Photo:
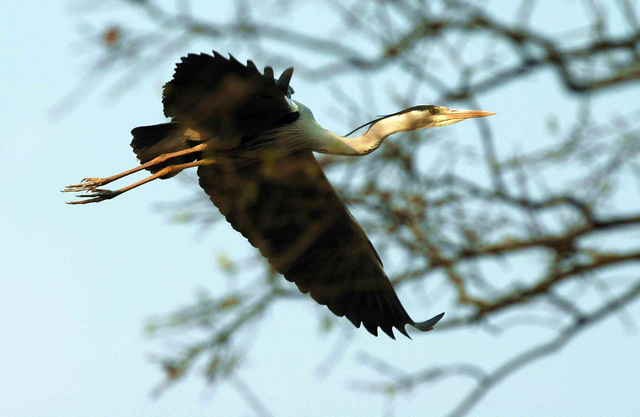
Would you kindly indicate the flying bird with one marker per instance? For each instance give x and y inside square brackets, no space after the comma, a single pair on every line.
[253,146]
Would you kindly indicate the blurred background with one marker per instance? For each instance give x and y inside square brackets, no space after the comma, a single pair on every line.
[524,227]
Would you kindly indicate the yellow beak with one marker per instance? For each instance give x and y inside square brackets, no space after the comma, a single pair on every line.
[466,114]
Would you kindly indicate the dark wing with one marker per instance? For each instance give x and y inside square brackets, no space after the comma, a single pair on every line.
[287,208]
[226,98]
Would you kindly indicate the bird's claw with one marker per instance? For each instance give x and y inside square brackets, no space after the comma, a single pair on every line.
[87,184]
[96,196]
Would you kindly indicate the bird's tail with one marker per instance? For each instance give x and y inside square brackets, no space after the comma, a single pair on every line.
[149,142]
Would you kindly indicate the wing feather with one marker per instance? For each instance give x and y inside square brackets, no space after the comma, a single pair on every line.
[288,210]
[224,97]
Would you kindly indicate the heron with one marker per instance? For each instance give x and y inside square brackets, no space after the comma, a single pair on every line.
[253,147]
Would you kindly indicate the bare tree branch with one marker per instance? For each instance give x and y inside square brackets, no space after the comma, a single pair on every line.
[448,209]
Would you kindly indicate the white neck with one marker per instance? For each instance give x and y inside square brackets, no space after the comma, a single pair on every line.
[366,143]
[305,134]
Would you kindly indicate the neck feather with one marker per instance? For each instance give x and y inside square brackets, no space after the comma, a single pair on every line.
[371,139]
[306,134]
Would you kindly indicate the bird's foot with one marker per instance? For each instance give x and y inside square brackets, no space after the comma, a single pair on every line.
[95,196]
[87,184]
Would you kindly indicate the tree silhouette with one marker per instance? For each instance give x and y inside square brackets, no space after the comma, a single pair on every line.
[507,239]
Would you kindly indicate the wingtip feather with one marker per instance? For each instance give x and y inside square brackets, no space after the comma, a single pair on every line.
[427,325]
[268,72]
[285,79]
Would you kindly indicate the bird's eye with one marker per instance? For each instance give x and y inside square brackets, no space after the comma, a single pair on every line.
[434,110]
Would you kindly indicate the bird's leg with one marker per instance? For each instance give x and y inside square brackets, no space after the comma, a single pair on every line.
[90,184]
[98,195]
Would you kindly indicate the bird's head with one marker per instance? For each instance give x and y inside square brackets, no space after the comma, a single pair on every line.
[425,116]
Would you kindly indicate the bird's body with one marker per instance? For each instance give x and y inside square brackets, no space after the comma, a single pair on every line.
[253,147]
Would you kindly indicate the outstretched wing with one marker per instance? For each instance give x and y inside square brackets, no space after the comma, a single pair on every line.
[226,98]
[287,208]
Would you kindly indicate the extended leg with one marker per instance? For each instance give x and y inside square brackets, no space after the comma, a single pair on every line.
[98,195]
[91,184]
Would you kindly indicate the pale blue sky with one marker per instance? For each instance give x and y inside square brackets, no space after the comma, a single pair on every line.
[78,283]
